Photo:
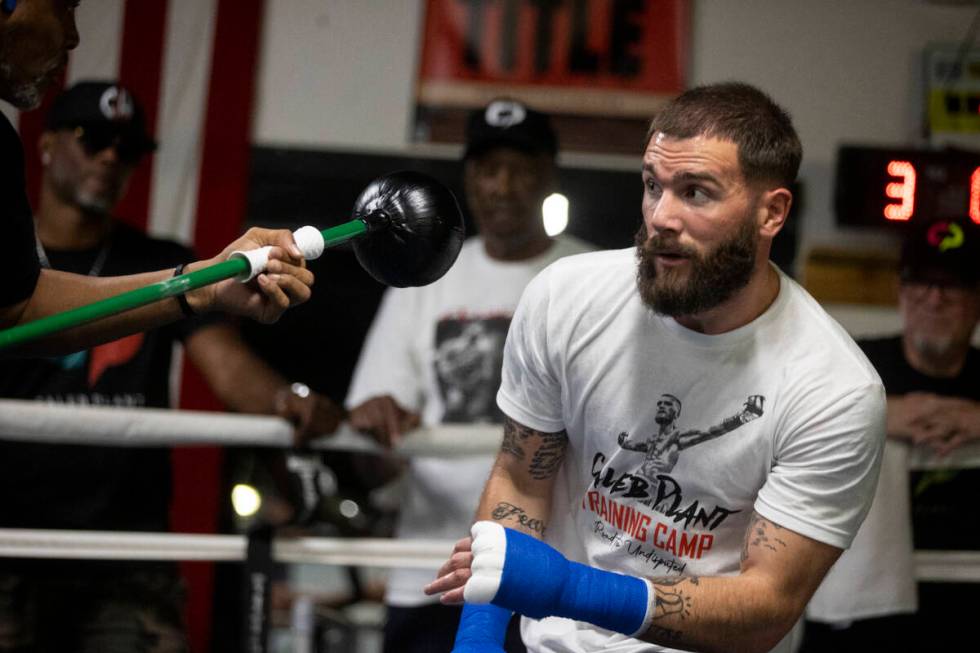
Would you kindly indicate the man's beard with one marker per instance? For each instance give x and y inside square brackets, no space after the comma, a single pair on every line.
[712,278]
[933,347]
[25,95]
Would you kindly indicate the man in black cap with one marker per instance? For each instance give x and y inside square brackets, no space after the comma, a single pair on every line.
[94,138]
[434,354]
[932,376]
[35,38]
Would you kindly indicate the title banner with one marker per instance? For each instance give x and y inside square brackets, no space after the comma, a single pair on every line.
[612,57]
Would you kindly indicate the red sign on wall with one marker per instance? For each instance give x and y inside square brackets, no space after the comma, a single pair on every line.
[617,57]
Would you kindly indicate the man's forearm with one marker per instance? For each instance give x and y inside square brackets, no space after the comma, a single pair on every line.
[60,291]
[518,493]
[504,502]
[240,379]
[724,614]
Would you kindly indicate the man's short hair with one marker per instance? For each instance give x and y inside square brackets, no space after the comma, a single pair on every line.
[769,149]
[674,399]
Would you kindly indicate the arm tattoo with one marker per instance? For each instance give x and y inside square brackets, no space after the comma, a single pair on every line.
[672,599]
[514,435]
[661,634]
[504,511]
[762,533]
[547,457]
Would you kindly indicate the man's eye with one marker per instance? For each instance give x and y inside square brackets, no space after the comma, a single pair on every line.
[697,194]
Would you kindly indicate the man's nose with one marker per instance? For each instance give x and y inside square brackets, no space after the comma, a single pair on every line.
[502,180]
[663,215]
[71,32]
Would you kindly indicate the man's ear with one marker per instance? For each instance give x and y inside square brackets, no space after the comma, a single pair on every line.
[774,210]
[44,145]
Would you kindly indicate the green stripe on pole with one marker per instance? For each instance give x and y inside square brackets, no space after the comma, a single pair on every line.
[127,301]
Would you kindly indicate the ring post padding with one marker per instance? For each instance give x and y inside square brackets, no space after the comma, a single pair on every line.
[257,585]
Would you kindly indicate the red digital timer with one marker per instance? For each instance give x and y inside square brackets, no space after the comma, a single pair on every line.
[880,186]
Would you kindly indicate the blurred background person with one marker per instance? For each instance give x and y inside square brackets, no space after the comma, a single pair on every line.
[95,137]
[932,376]
[434,354]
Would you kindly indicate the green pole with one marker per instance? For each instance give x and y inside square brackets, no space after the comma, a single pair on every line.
[127,301]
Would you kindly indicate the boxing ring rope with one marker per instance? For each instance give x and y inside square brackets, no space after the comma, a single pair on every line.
[33,421]
[113,545]
[98,425]
[932,566]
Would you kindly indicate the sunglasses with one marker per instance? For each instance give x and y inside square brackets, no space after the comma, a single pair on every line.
[96,138]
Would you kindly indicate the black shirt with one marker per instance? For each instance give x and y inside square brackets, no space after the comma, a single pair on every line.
[19,267]
[944,512]
[75,486]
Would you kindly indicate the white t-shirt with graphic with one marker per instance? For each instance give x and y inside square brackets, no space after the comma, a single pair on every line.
[438,350]
[675,437]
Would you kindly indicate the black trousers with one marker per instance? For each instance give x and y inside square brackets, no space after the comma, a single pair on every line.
[432,629]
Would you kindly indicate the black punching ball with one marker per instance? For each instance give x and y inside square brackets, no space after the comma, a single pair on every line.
[415,229]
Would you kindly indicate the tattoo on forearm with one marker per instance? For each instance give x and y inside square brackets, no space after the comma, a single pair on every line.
[762,533]
[672,598]
[661,634]
[548,458]
[514,435]
[504,511]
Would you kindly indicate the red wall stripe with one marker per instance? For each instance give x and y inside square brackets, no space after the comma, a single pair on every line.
[220,212]
[223,183]
[141,69]
[30,125]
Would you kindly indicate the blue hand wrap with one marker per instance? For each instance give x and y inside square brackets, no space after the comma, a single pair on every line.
[538,581]
[482,629]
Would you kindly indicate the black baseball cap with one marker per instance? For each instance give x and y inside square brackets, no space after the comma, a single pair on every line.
[104,105]
[942,249]
[509,123]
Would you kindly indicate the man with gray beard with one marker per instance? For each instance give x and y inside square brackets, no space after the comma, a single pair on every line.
[931,372]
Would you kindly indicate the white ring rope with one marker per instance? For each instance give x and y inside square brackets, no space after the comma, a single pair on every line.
[117,545]
[932,566]
[33,421]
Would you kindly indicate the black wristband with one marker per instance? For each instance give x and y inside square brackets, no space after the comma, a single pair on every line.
[185,308]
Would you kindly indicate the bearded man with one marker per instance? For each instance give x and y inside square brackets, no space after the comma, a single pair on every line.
[722,551]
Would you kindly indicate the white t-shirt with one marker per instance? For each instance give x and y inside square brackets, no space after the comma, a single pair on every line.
[783,416]
[438,350]
[876,576]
